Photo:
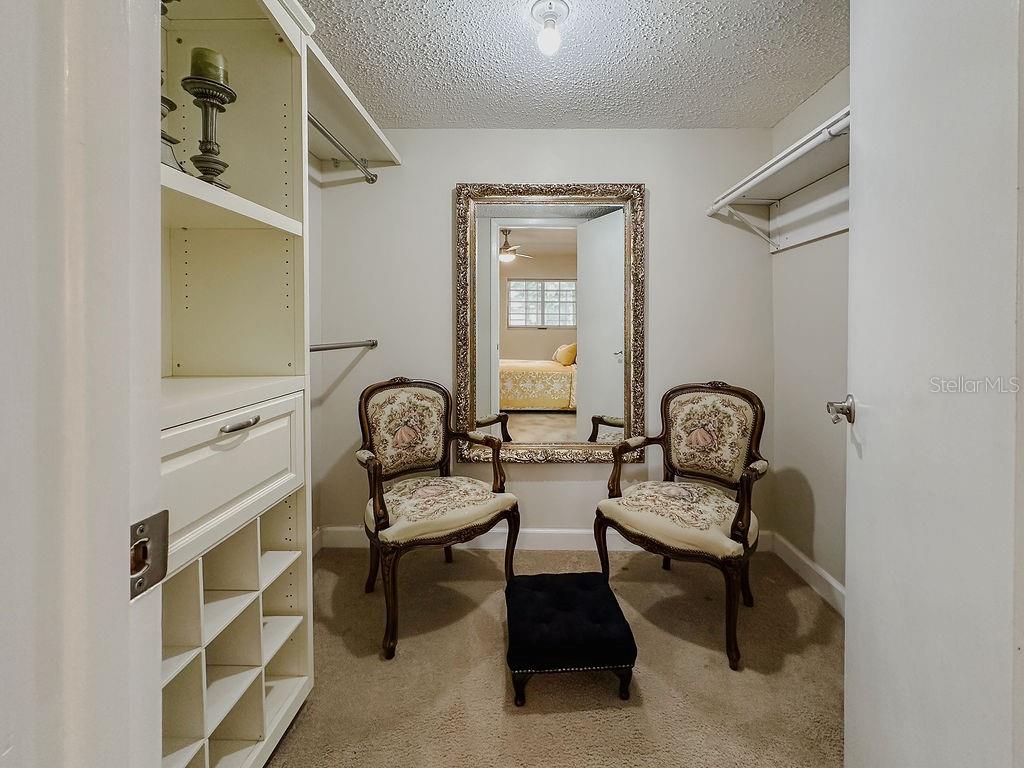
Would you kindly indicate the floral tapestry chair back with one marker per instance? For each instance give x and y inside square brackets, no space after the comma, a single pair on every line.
[405,424]
[711,431]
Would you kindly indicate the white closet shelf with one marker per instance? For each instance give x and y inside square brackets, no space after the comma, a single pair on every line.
[276,631]
[332,102]
[178,753]
[226,753]
[225,685]
[280,692]
[273,564]
[220,608]
[820,153]
[175,659]
[187,202]
[190,398]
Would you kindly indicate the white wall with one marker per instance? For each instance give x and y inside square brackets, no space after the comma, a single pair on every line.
[933,277]
[391,269]
[809,299]
[314,241]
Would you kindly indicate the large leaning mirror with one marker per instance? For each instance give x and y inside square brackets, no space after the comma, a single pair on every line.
[549,304]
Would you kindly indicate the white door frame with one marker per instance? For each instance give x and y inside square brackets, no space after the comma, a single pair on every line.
[80,664]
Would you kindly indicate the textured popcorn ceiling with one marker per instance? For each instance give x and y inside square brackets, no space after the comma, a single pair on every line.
[623,64]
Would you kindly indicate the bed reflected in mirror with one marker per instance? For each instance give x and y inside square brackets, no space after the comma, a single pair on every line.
[553,324]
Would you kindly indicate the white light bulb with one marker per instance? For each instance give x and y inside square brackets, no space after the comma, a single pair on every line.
[549,40]
[506,258]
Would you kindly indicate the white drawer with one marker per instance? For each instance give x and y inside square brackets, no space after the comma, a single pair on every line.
[212,481]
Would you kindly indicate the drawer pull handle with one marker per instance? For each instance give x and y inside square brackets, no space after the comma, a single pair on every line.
[227,429]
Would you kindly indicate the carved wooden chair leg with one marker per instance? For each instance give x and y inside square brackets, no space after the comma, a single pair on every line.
[666,563]
[519,686]
[625,676]
[371,579]
[448,554]
[601,537]
[389,563]
[510,542]
[732,572]
[748,596]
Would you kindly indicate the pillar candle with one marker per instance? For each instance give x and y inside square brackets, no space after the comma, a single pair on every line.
[209,64]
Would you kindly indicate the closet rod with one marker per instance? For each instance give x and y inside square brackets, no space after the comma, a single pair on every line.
[371,178]
[371,343]
[837,126]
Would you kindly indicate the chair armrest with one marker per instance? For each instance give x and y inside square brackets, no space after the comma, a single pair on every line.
[481,438]
[369,461]
[741,522]
[608,421]
[496,418]
[618,452]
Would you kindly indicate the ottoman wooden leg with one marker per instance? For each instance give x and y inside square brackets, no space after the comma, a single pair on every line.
[625,676]
[519,686]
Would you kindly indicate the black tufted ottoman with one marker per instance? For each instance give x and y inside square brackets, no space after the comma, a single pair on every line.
[566,622]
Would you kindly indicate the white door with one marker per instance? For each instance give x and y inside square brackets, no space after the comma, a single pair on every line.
[600,297]
[931,465]
[79,663]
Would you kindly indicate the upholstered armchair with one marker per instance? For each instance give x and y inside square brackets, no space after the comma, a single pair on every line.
[406,429]
[701,510]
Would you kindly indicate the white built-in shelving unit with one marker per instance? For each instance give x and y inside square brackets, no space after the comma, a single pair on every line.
[237,658]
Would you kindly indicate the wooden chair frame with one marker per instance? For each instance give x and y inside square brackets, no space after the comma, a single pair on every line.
[384,555]
[736,570]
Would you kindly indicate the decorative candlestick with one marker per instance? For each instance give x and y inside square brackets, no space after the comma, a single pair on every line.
[208,85]
[167,141]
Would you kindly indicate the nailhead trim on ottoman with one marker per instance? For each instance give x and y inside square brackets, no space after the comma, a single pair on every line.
[566,622]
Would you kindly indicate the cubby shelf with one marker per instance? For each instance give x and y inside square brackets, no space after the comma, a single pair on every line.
[230,753]
[175,659]
[225,685]
[220,607]
[178,753]
[190,398]
[273,564]
[276,631]
[187,202]
[280,691]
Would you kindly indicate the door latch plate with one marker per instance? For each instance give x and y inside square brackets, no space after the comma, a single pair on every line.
[147,553]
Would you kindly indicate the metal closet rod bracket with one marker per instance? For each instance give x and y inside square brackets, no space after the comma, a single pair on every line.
[369,343]
[368,175]
[730,211]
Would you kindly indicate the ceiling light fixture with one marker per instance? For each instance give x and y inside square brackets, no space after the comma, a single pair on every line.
[549,14]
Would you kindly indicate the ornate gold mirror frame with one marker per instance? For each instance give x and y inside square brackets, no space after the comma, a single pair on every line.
[632,198]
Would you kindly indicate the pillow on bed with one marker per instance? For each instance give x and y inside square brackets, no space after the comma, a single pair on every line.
[565,354]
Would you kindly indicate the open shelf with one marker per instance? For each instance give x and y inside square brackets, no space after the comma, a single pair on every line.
[230,753]
[280,691]
[276,631]
[225,685]
[190,398]
[273,564]
[175,659]
[187,202]
[220,607]
[332,102]
[182,753]
[820,153]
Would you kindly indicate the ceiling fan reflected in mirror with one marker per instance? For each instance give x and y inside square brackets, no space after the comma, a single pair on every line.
[507,253]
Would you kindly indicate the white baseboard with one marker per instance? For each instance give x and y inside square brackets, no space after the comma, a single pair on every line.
[352,536]
[820,580]
[318,540]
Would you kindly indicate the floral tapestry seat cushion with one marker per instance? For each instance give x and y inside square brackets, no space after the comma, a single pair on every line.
[407,428]
[709,432]
[428,507]
[682,515]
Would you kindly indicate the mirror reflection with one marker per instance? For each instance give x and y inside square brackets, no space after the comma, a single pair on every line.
[550,321]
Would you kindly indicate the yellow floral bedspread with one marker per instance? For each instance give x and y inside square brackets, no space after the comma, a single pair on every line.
[537,385]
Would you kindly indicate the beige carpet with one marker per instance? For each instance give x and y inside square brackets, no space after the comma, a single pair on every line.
[445,699]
